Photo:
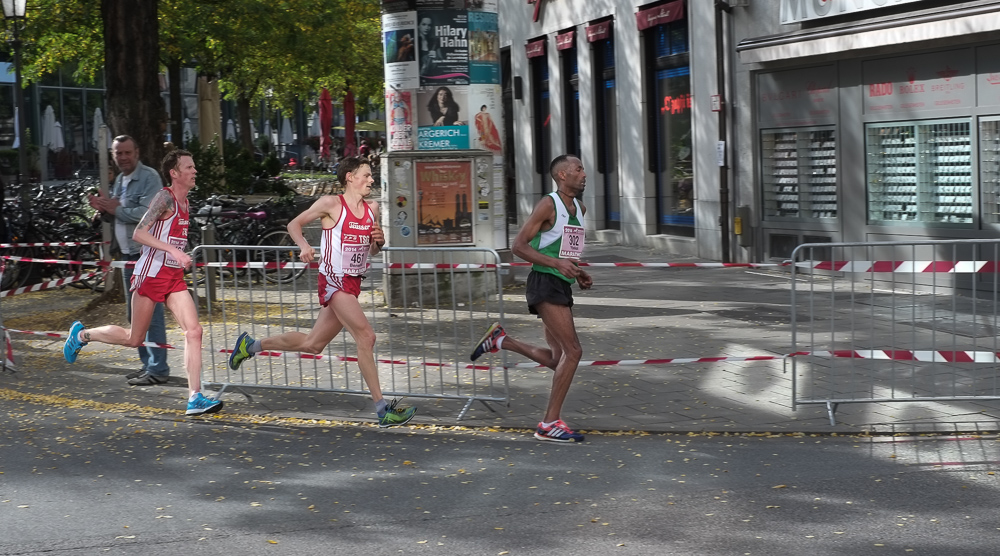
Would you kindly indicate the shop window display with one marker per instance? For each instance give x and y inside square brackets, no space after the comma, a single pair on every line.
[920,172]
[799,173]
[989,168]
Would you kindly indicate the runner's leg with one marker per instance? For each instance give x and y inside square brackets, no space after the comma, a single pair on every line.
[349,312]
[560,331]
[547,356]
[185,312]
[324,330]
[142,312]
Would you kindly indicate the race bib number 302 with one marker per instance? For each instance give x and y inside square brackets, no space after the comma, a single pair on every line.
[572,242]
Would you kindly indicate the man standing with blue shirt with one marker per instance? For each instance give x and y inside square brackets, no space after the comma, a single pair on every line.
[132,191]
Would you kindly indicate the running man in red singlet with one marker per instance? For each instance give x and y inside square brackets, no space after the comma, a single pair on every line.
[351,234]
[159,278]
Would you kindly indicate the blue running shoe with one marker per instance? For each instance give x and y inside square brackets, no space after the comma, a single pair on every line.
[73,344]
[558,432]
[201,405]
[241,351]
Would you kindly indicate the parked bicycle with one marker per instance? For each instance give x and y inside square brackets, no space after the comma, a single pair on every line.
[237,224]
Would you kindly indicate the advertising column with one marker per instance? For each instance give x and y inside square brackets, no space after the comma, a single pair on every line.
[444,105]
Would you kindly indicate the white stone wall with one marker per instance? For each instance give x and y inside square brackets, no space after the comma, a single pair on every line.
[638,203]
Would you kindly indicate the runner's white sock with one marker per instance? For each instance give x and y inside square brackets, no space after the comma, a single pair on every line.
[255,347]
[500,342]
[549,425]
[193,396]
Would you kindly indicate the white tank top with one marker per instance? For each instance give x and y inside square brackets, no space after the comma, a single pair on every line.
[154,263]
[346,245]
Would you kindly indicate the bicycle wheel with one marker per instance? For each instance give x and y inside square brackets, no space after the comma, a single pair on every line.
[89,253]
[15,272]
[279,238]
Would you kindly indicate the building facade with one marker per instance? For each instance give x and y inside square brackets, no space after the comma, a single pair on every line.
[846,120]
[627,86]
[866,120]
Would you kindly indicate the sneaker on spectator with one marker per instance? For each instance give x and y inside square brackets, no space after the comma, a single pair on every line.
[558,432]
[147,379]
[201,405]
[488,343]
[73,344]
[241,351]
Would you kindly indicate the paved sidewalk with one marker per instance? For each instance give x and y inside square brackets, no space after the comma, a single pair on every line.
[634,313]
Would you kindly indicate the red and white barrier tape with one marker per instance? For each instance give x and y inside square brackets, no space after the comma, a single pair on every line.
[8,351]
[63,336]
[56,244]
[929,356]
[51,261]
[51,284]
[951,267]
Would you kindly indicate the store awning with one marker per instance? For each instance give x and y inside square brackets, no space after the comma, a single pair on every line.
[906,29]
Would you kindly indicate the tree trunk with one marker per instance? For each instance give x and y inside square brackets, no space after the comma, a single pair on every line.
[176,109]
[243,113]
[131,74]
[132,82]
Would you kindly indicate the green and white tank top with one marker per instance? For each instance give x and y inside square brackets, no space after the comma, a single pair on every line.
[564,240]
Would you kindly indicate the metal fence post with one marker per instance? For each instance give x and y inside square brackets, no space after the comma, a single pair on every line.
[211,256]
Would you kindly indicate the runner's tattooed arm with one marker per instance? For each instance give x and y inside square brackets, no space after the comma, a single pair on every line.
[162,203]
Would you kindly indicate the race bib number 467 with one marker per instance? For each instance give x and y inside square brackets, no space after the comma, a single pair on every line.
[572,242]
[355,259]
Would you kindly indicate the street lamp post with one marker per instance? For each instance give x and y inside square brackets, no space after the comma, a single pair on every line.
[14,10]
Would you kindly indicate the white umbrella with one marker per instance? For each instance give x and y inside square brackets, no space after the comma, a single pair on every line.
[186,133]
[49,127]
[286,137]
[59,143]
[230,130]
[314,130]
[98,122]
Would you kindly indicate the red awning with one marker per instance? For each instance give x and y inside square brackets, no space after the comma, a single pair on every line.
[599,31]
[535,48]
[659,15]
[565,41]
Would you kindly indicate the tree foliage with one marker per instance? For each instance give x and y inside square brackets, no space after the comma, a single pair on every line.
[278,50]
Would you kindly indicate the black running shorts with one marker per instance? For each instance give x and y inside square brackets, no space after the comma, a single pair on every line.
[545,287]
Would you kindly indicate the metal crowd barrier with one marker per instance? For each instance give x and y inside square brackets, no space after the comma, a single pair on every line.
[427,307]
[895,322]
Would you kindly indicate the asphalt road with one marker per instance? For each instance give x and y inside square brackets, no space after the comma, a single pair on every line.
[79,481]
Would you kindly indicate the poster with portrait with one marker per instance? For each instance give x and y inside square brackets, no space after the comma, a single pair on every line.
[399,35]
[444,202]
[484,48]
[442,118]
[486,109]
[443,47]
[399,107]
